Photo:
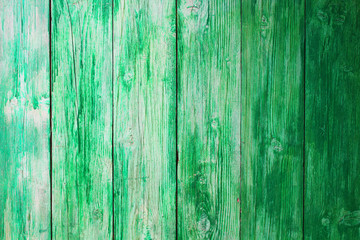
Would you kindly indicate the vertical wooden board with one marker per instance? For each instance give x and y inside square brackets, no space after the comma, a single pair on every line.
[82,119]
[272,128]
[332,199]
[209,119]
[144,119]
[24,120]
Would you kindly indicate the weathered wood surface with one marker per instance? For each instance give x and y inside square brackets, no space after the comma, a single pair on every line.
[144,119]
[272,117]
[332,203]
[209,119]
[134,83]
[24,120]
[82,119]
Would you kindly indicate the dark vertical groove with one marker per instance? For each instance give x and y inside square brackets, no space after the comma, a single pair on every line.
[240,93]
[112,119]
[304,119]
[50,117]
[176,117]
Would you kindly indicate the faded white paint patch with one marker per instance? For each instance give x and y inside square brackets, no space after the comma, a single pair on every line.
[23,173]
[10,108]
[41,84]
[8,218]
[8,27]
[39,116]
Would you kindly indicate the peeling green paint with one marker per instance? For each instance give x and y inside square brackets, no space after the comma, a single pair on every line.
[152,103]
[81,53]
[209,44]
[24,120]
[272,129]
[144,119]
[332,200]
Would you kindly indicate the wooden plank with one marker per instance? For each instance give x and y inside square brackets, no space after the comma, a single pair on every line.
[24,120]
[332,203]
[82,119]
[272,119]
[144,119]
[209,119]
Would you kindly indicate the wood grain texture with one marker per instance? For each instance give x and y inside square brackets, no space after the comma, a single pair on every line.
[24,120]
[82,119]
[144,118]
[272,116]
[332,203]
[209,119]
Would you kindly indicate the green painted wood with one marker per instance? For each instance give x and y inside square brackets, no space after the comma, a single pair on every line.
[332,203]
[24,120]
[272,117]
[82,119]
[144,119]
[209,119]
